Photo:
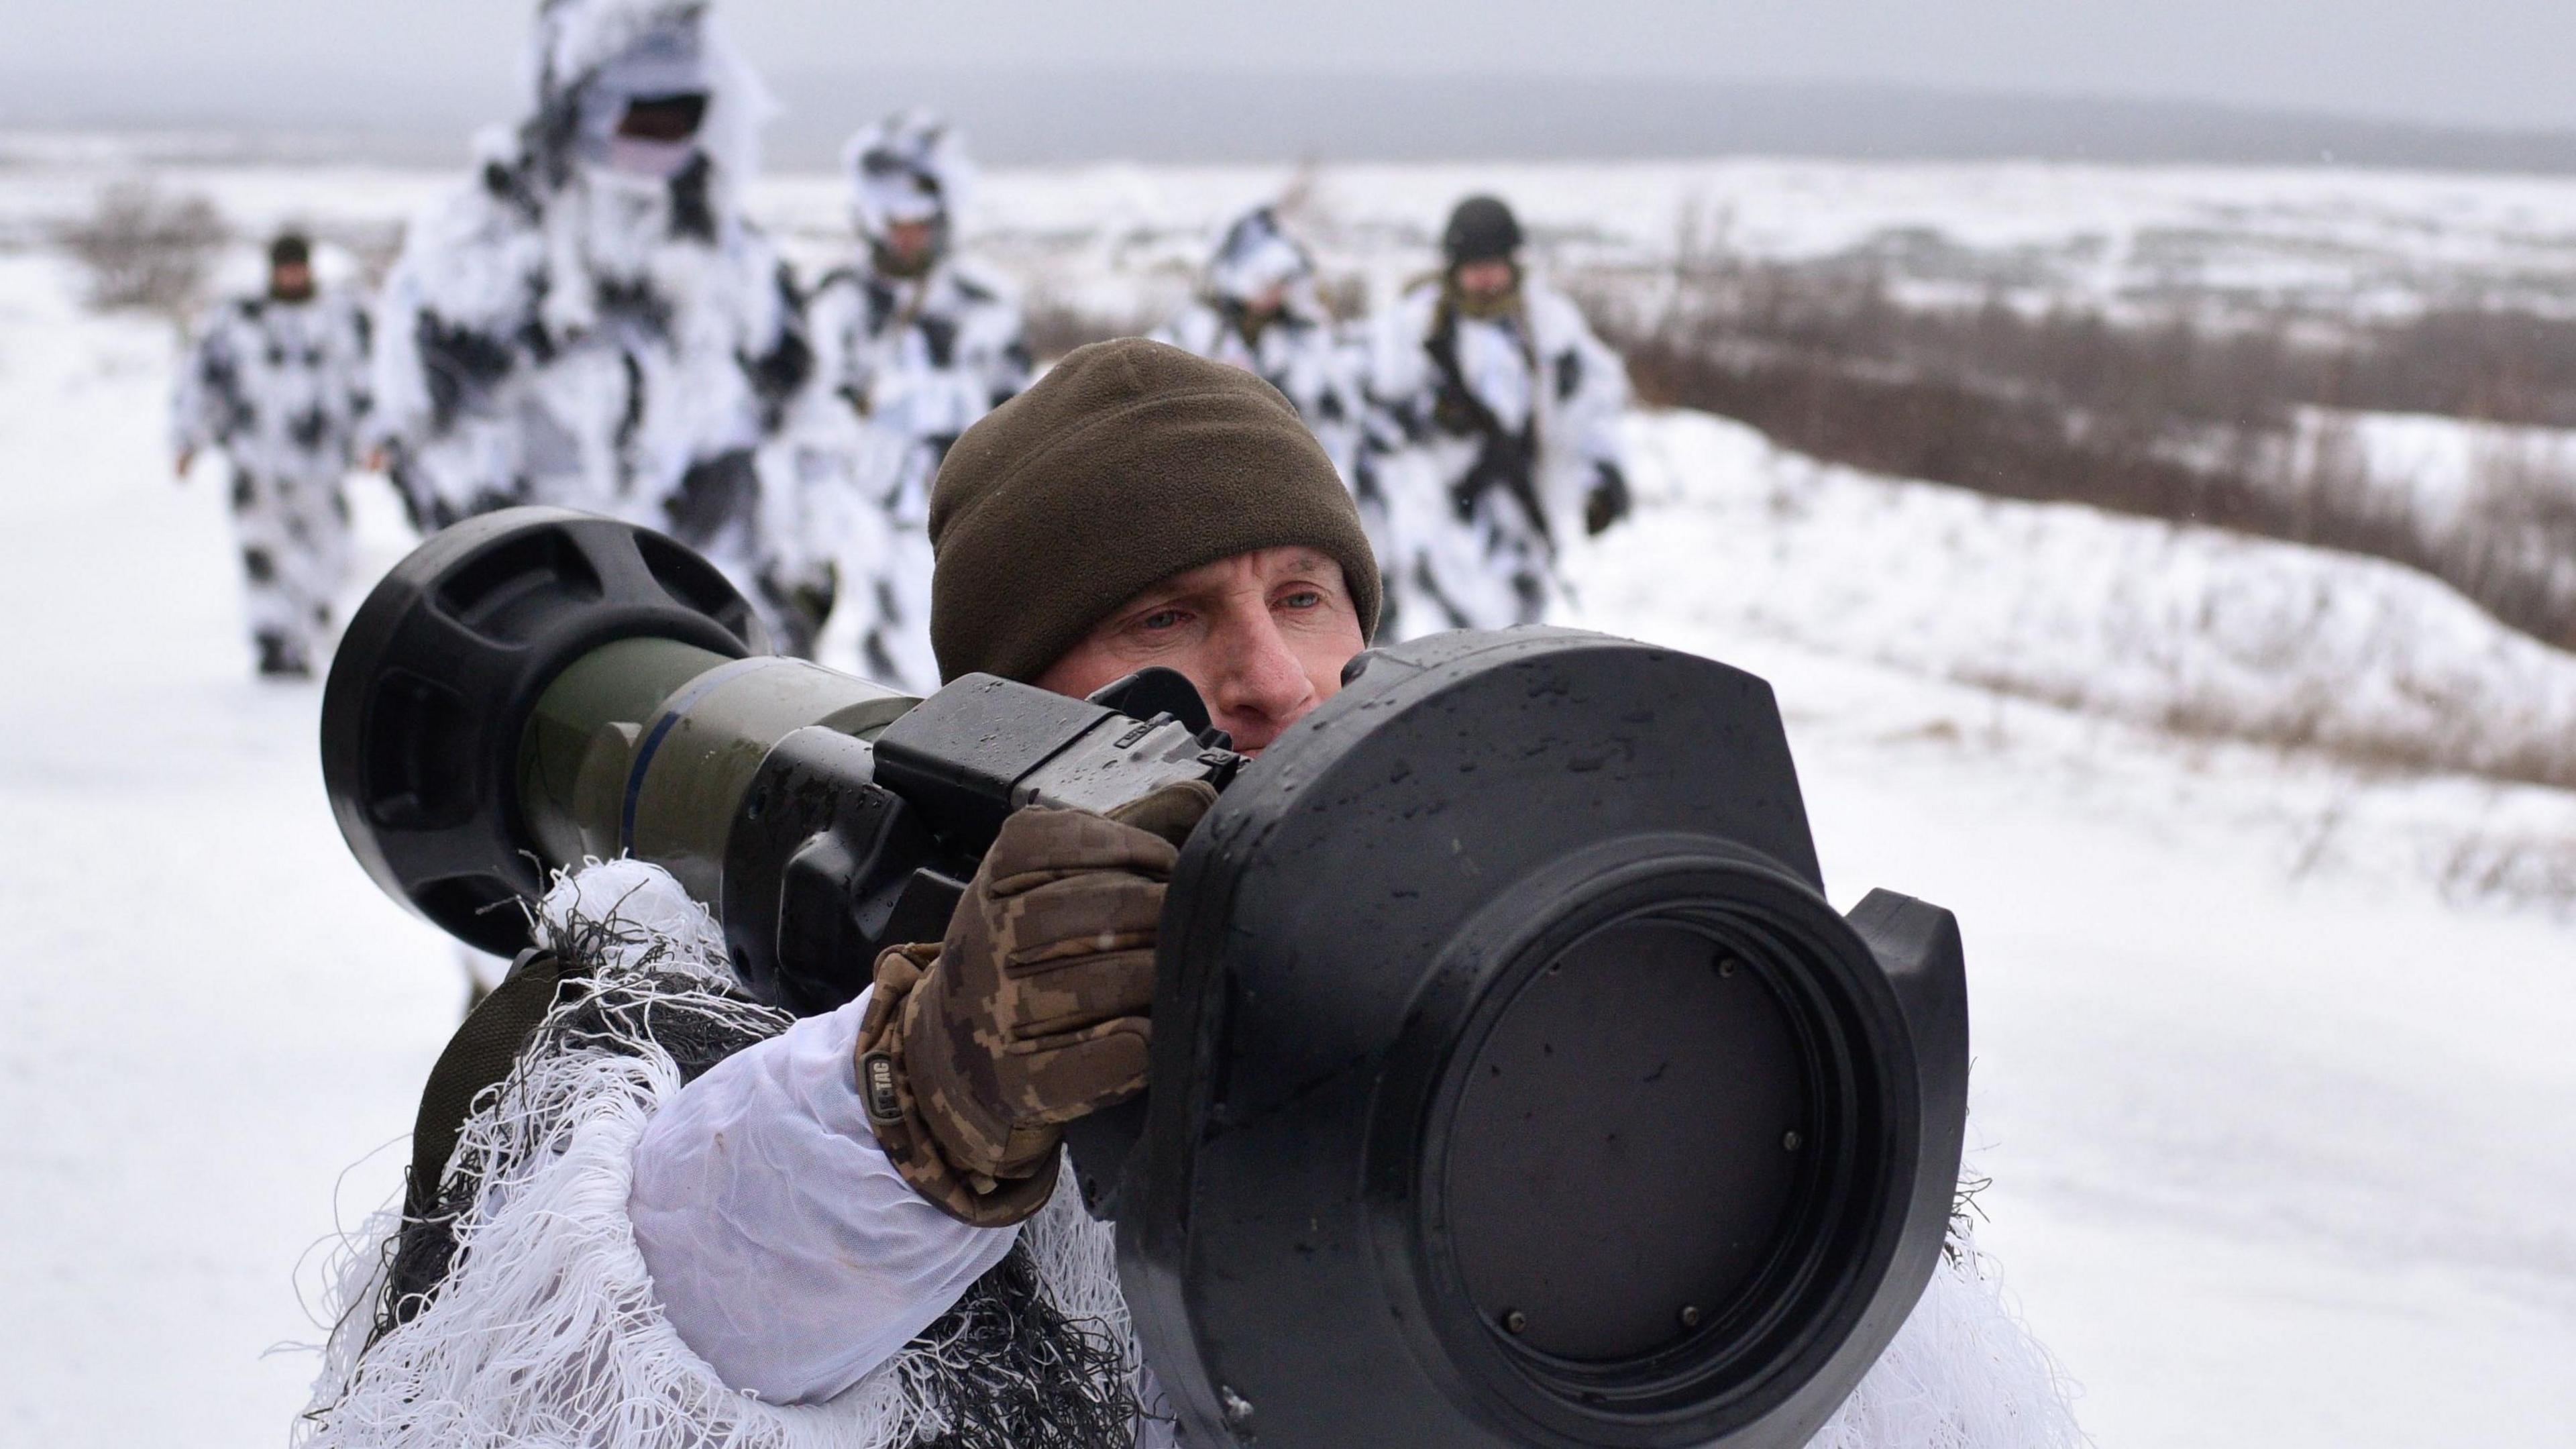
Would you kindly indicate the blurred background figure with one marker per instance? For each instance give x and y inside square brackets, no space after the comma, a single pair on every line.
[1508,408]
[918,343]
[1259,309]
[592,321]
[278,383]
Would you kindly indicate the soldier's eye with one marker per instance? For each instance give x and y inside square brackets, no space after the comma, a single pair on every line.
[1160,620]
[1302,599]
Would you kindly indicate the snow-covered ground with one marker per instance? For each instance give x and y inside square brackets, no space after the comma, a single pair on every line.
[2272,1070]
[205,1014]
[2188,628]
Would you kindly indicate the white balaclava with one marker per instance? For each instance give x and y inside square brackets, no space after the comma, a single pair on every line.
[910,166]
[666,66]
[592,59]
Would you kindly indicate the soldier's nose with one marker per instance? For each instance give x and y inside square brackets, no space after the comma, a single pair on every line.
[1265,689]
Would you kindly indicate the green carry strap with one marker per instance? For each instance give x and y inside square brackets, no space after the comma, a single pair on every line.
[480,1055]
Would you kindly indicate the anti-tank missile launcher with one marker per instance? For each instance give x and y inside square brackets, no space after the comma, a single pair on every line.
[1513,1083]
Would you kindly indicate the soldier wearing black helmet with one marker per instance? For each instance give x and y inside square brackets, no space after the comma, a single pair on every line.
[1505,411]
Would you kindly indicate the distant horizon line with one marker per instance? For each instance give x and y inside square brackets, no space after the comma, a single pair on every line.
[372,76]
[1041,115]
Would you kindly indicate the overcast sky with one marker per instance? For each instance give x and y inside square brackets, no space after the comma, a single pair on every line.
[2505,63]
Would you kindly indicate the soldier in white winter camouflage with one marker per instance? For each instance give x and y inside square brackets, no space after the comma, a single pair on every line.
[918,343]
[593,321]
[1508,408]
[278,384]
[1260,309]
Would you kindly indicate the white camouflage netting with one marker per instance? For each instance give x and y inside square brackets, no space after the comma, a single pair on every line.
[1963,1373]
[546,1332]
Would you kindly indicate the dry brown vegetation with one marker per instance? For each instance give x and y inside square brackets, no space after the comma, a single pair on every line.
[147,249]
[2183,420]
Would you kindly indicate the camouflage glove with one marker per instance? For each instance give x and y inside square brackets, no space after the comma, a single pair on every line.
[802,605]
[1608,502]
[975,1052]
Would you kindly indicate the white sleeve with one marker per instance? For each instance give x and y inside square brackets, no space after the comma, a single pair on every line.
[192,403]
[783,1247]
[397,375]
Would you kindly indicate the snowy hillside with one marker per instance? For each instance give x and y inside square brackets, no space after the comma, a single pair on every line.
[2185,628]
[2271,1066]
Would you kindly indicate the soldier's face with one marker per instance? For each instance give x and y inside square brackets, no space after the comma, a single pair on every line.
[290,281]
[1264,636]
[909,241]
[1487,279]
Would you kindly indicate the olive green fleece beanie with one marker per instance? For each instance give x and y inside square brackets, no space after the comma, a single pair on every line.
[1129,462]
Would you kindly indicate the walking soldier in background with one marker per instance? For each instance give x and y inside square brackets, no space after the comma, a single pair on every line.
[1259,310]
[593,322]
[1508,411]
[278,382]
[918,344]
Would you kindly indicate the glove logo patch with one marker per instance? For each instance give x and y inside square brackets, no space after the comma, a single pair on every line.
[876,1083]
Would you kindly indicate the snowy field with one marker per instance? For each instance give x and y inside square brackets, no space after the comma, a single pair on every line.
[2353,242]
[2272,1066]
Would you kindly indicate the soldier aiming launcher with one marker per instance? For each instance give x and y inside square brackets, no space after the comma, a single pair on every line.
[1513,1082]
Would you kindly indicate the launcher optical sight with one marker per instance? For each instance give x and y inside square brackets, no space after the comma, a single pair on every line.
[1513,1083]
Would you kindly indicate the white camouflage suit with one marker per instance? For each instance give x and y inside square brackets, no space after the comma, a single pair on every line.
[593,322]
[916,354]
[279,386]
[1506,426]
[1297,348]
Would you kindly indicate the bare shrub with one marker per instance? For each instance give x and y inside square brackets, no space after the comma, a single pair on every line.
[2489,363]
[2513,870]
[2180,420]
[2245,369]
[2309,719]
[375,247]
[146,249]
[2515,551]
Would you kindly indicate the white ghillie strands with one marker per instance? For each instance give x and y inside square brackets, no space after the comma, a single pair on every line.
[547,1332]
[1963,1373]
[636,917]
[1076,1258]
